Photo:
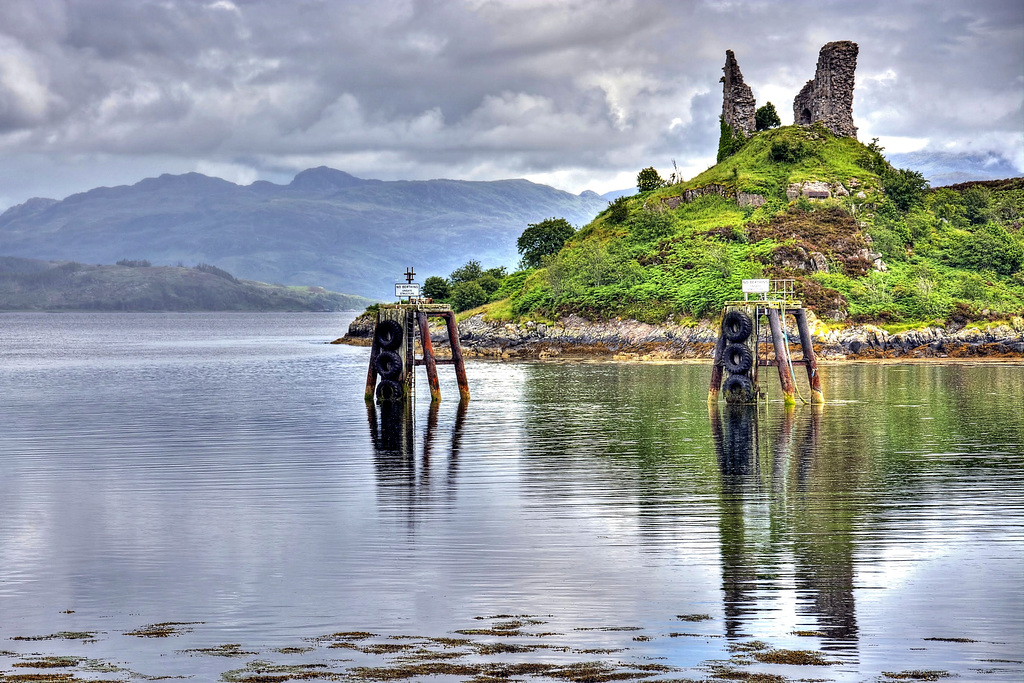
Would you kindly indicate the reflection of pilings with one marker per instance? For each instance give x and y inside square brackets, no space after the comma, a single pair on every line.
[824,557]
[735,448]
[393,437]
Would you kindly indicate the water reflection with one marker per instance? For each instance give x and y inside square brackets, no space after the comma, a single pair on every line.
[767,525]
[405,480]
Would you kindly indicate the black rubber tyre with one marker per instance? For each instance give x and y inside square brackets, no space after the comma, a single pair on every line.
[737,326]
[738,389]
[737,359]
[388,335]
[388,391]
[388,365]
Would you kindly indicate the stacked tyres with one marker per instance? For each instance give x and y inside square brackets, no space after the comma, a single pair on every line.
[389,362]
[737,358]
[388,334]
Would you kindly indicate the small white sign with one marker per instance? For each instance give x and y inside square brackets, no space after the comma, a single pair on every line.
[755,286]
[407,289]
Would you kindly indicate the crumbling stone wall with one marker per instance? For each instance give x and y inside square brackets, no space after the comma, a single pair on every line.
[829,96]
[738,105]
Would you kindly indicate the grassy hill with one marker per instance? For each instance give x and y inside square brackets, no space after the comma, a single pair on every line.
[32,285]
[864,241]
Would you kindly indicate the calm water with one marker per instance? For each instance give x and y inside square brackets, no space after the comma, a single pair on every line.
[223,472]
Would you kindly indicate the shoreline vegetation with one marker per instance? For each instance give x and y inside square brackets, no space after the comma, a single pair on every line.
[886,266]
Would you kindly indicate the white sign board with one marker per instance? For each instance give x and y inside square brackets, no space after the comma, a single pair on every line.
[407,289]
[755,286]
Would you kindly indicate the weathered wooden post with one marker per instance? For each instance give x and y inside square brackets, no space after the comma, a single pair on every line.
[781,356]
[807,346]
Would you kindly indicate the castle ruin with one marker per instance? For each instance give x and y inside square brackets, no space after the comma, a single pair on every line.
[828,97]
[738,104]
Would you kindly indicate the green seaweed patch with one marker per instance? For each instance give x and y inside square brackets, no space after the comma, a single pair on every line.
[55,662]
[693,617]
[600,650]
[953,640]
[730,673]
[749,646]
[794,657]
[916,675]
[809,634]
[164,629]
[450,642]
[507,648]
[348,635]
[62,635]
[51,677]
[293,650]
[609,628]
[226,650]
[267,672]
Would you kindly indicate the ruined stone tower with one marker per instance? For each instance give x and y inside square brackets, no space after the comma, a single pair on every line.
[738,103]
[829,97]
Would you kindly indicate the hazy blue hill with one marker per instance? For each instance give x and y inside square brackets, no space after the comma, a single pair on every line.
[34,285]
[326,227]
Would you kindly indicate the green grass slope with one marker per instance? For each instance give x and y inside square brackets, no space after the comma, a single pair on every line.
[881,248]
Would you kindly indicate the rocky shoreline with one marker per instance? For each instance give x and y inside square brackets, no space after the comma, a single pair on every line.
[573,336]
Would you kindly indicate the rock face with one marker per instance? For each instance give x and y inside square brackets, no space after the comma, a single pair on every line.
[829,97]
[738,104]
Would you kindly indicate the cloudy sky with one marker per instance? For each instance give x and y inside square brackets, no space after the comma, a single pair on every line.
[579,94]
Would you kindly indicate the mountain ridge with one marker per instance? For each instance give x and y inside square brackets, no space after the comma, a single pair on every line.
[325,227]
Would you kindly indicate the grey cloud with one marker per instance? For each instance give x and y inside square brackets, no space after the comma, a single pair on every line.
[474,88]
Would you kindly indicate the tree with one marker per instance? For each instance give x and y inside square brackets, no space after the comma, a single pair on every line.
[543,239]
[437,288]
[649,179]
[467,295]
[467,273]
[767,118]
[904,187]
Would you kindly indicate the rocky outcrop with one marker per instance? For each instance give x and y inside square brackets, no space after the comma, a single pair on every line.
[829,96]
[738,104]
[574,336]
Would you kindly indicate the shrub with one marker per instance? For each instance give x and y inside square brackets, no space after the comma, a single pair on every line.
[618,210]
[991,248]
[766,118]
[437,288]
[904,187]
[467,295]
[142,263]
[648,179]
[729,141]
[543,239]
[467,273]
[788,151]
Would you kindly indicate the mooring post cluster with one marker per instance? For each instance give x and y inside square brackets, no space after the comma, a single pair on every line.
[393,353]
[738,349]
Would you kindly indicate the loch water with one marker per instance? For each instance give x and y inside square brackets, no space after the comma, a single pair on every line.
[220,474]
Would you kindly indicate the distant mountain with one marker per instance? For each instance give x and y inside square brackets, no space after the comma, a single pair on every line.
[615,194]
[325,228]
[33,285]
[942,168]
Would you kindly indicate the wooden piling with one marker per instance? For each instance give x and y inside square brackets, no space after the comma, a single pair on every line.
[460,366]
[775,323]
[811,363]
[428,357]
[716,371]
